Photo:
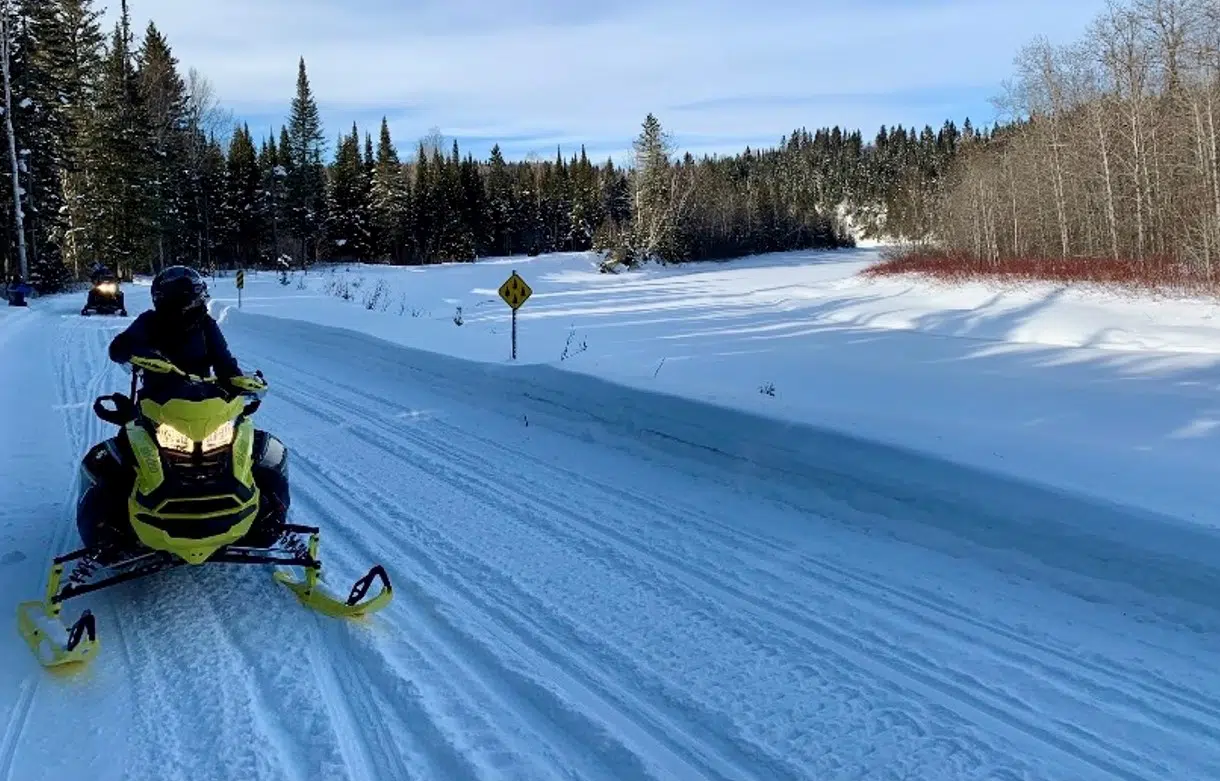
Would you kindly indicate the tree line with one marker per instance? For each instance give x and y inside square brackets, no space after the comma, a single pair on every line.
[122,159]
[1113,152]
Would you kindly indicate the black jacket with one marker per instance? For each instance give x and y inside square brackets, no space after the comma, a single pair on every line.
[199,348]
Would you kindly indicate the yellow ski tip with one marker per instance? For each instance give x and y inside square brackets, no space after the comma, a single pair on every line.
[311,594]
[38,627]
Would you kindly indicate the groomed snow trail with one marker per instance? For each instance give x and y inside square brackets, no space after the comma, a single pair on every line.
[570,605]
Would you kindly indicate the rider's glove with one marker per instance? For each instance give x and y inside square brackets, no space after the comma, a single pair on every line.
[249,383]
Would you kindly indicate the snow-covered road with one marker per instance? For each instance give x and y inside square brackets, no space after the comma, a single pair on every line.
[597,583]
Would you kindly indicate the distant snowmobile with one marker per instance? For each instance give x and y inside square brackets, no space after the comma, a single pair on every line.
[106,295]
[188,480]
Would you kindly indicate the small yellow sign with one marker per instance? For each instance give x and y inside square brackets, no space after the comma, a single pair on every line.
[514,291]
[241,279]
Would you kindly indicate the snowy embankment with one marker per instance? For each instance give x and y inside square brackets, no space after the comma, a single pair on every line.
[1092,393]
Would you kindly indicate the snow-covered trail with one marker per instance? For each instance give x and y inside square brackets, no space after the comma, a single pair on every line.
[574,604]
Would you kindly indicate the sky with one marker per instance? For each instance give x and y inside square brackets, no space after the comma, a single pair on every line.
[534,75]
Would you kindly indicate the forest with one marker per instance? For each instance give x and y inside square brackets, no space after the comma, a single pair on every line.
[1109,170]
[119,157]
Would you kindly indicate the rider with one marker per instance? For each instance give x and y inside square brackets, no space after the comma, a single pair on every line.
[180,333]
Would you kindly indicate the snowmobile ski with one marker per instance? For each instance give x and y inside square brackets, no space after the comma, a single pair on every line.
[42,628]
[315,596]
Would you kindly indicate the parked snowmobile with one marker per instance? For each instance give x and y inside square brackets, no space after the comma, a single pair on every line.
[106,295]
[188,480]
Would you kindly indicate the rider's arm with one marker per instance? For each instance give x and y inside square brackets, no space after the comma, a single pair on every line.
[223,362]
[136,340]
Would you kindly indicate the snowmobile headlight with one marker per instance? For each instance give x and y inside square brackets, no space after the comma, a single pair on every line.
[108,288]
[171,438]
[221,437]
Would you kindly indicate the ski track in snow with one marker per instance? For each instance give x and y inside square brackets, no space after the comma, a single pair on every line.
[568,506]
[564,610]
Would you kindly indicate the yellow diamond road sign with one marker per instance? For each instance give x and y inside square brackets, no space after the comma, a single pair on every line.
[514,291]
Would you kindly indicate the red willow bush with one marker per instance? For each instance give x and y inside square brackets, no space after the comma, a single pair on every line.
[1148,274]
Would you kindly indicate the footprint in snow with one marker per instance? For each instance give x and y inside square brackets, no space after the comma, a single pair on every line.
[12,557]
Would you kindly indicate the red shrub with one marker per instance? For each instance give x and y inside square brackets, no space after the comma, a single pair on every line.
[1149,274]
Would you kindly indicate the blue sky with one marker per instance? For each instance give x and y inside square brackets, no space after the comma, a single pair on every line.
[533,74]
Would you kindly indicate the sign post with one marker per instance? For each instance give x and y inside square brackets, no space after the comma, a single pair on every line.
[514,291]
[241,283]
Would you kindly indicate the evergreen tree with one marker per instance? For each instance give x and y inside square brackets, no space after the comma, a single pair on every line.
[65,62]
[118,148]
[390,202]
[164,103]
[305,184]
[272,176]
[501,205]
[348,202]
[243,203]
[654,227]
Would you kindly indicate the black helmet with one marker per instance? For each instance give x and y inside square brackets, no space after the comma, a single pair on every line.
[180,292]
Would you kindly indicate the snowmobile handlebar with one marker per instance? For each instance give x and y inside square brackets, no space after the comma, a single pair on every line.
[123,408]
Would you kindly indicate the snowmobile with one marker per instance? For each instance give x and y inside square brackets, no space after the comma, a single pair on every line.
[106,296]
[188,480]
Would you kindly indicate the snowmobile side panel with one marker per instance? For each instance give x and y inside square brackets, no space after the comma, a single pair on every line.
[243,453]
[149,474]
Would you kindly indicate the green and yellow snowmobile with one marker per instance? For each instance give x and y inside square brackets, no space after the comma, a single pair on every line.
[187,480]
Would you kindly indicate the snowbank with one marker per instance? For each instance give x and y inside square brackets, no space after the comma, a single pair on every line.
[1108,396]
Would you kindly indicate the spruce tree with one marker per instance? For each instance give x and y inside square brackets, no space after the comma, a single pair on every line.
[390,201]
[347,202]
[501,205]
[118,146]
[164,101]
[305,186]
[272,175]
[652,229]
[65,55]
[243,202]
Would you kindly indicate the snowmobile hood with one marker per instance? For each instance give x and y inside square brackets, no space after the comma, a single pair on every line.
[196,420]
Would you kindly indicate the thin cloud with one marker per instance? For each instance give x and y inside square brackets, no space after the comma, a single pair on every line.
[542,70]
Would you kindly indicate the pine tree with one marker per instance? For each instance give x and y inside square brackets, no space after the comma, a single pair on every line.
[348,202]
[390,201]
[118,147]
[243,204]
[271,199]
[501,205]
[65,54]
[585,212]
[653,233]
[305,186]
[10,61]
[164,101]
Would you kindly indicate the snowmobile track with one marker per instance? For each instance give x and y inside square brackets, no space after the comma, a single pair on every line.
[15,726]
[444,455]
[737,757]
[551,719]
[904,668]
